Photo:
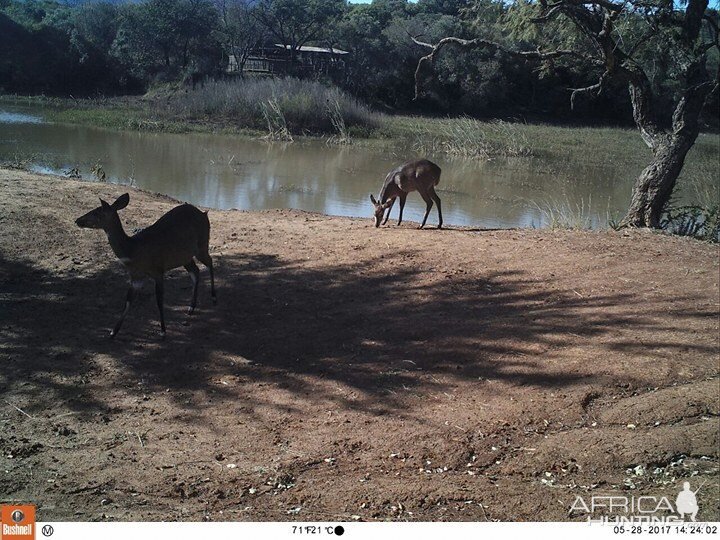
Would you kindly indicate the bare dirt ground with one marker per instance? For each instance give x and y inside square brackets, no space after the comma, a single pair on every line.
[349,372]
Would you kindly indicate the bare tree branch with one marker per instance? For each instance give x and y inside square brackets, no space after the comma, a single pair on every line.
[575,91]
[490,45]
[588,89]
[548,13]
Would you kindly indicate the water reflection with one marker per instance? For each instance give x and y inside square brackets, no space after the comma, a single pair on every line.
[9,117]
[230,172]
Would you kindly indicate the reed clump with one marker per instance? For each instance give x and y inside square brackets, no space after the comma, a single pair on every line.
[283,107]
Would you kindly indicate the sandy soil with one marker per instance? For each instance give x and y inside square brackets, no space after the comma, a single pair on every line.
[349,372]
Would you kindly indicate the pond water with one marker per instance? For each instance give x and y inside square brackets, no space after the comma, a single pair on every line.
[225,172]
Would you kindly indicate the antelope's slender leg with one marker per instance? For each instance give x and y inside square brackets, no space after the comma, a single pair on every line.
[429,203]
[212,282]
[387,216]
[437,200]
[135,285]
[195,276]
[159,290]
[206,259]
[402,206]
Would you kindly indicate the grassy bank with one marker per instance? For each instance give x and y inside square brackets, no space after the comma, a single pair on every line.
[124,113]
[208,111]
[223,108]
[288,108]
[274,108]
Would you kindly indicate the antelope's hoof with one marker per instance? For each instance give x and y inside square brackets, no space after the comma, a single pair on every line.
[113,334]
[190,311]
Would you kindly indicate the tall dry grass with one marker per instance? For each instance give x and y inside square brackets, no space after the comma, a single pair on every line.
[287,106]
[469,138]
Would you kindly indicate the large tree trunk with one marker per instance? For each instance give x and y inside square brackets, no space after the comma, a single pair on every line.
[654,187]
[655,184]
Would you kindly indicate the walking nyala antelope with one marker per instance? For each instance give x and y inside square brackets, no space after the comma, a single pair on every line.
[172,241]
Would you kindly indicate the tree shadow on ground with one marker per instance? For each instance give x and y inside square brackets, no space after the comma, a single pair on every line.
[298,326]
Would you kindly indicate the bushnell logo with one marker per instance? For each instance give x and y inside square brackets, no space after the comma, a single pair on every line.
[18,522]
[17,516]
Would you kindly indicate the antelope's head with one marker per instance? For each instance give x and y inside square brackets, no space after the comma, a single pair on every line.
[104,215]
[379,209]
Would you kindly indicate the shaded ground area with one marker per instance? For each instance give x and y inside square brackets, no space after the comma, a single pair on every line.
[351,373]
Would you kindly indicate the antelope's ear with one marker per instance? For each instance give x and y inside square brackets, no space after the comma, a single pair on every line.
[104,204]
[372,199]
[121,202]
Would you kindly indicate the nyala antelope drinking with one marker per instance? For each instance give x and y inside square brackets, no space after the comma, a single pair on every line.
[421,176]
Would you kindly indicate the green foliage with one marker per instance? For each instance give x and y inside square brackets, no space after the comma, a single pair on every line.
[119,47]
[167,37]
[238,29]
[49,47]
[297,22]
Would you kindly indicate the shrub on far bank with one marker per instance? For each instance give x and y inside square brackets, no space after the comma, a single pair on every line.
[305,107]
